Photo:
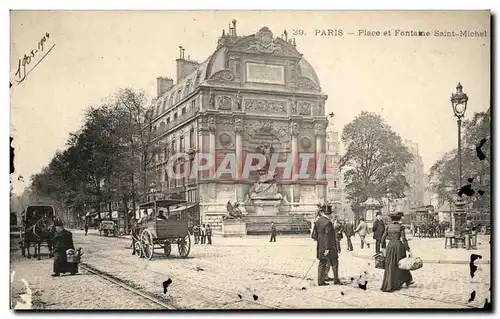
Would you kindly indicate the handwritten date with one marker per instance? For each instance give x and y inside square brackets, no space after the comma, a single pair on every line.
[23,62]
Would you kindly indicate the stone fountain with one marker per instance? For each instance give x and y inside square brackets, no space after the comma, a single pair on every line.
[265,200]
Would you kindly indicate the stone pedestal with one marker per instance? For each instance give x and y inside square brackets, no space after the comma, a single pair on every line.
[234,228]
[266,206]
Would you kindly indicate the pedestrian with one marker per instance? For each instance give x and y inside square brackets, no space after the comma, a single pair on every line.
[361,230]
[467,231]
[337,226]
[208,231]
[326,248]
[86,227]
[394,278]
[196,232]
[273,232]
[349,232]
[203,234]
[378,231]
[63,240]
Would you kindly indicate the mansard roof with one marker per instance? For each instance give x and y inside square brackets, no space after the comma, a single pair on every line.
[262,43]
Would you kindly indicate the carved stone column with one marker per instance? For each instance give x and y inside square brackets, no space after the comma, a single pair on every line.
[211,129]
[176,137]
[238,126]
[295,187]
[294,132]
[203,146]
[320,133]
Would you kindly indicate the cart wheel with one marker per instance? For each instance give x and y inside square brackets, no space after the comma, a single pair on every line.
[137,248]
[167,248]
[184,245]
[147,244]
[483,230]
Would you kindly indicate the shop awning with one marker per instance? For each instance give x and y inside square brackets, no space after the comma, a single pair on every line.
[179,208]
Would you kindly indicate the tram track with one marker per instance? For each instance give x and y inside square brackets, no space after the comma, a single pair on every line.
[120,283]
[283,306]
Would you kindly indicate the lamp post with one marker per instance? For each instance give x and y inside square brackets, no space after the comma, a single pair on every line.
[459,104]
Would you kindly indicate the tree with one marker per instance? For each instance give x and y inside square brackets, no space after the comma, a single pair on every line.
[106,161]
[375,159]
[137,133]
[443,175]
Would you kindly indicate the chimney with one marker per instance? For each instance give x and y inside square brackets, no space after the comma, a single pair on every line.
[234,27]
[163,84]
[184,67]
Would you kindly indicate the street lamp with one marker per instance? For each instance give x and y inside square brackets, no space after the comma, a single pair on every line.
[459,104]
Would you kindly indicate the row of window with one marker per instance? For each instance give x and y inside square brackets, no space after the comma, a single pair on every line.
[175,97]
[161,127]
[172,148]
[171,182]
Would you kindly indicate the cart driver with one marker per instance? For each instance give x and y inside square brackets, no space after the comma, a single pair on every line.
[161,215]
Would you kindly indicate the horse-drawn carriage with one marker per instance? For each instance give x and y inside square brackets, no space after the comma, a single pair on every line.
[161,231]
[108,227]
[36,229]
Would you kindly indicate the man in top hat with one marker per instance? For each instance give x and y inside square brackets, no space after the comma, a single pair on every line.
[378,231]
[63,240]
[326,247]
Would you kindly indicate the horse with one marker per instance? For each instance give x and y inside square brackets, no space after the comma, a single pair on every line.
[36,233]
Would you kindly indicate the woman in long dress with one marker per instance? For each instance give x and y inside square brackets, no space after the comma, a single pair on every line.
[396,249]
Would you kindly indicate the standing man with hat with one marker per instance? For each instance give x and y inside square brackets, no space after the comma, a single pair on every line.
[326,248]
[378,231]
[63,240]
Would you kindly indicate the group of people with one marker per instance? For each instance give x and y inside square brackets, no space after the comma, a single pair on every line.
[202,234]
[347,228]
[327,232]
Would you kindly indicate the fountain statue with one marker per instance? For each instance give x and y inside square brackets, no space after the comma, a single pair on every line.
[233,211]
[264,197]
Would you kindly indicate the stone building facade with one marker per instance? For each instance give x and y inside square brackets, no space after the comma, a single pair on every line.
[252,91]
[334,174]
[415,176]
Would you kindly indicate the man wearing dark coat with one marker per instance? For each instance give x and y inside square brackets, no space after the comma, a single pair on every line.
[273,232]
[349,232]
[378,231]
[326,248]
[63,240]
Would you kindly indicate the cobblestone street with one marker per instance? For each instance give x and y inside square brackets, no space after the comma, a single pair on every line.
[237,273]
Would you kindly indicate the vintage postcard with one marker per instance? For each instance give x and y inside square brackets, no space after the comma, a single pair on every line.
[229,160]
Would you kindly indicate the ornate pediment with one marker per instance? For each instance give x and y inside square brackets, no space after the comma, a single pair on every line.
[278,129]
[223,75]
[265,106]
[305,83]
[263,42]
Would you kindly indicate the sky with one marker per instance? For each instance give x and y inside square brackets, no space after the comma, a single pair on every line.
[408,80]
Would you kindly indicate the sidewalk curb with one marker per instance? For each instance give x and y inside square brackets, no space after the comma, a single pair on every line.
[445,262]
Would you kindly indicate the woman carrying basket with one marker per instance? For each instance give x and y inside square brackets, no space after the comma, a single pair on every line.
[394,277]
